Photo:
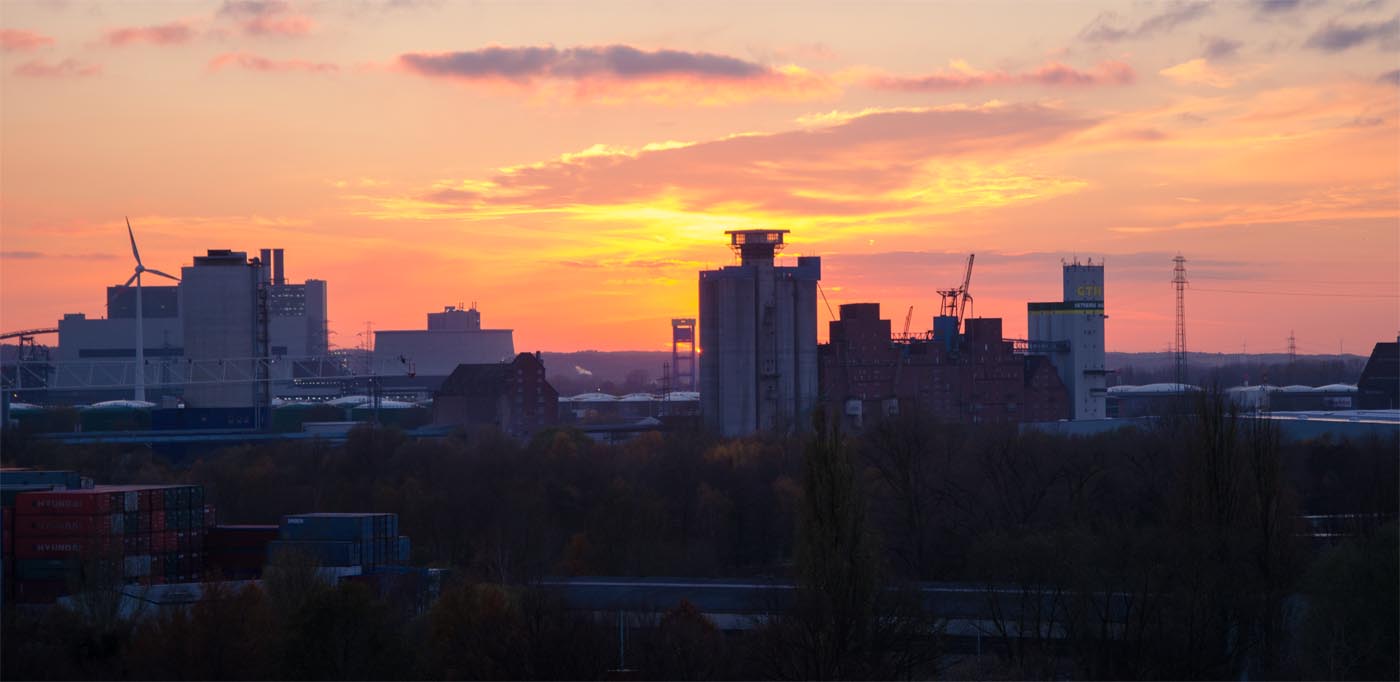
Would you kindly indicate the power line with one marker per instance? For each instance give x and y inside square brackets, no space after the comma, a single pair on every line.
[1294,293]
[1318,281]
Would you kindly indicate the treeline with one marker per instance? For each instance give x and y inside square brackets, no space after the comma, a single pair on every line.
[1307,371]
[1193,527]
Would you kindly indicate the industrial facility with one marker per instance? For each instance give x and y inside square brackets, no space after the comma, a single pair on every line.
[758,338]
[232,345]
[96,357]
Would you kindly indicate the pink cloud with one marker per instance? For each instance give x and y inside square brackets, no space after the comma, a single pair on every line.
[961,76]
[252,62]
[16,40]
[38,68]
[173,33]
[279,25]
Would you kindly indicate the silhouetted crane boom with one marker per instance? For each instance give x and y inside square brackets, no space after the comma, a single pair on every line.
[965,296]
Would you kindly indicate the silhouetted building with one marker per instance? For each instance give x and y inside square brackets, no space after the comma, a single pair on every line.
[454,319]
[1071,333]
[975,377]
[1379,385]
[758,338]
[225,320]
[511,396]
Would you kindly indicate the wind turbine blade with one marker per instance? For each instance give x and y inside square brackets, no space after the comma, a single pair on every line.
[129,281]
[132,235]
[158,272]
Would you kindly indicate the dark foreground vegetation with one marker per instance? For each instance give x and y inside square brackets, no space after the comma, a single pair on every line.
[1195,525]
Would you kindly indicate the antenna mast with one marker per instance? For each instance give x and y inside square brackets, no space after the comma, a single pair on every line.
[1179,281]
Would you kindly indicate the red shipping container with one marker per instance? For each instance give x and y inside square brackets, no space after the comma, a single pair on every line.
[171,541]
[158,517]
[144,518]
[61,548]
[63,526]
[69,502]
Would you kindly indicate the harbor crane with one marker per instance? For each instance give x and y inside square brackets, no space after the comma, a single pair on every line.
[954,301]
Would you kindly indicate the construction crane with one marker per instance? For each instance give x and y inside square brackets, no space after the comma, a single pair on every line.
[908,318]
[954,303]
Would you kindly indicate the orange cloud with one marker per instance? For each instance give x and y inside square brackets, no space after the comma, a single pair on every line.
[857,169]
[16,40]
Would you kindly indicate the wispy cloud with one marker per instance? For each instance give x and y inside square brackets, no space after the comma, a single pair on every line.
[39,255]
[1199,72]
[1336,37]
[601,71]
[577,63]
[960,76]
[266,18]
[1277,7]
[857,167]
[173,33]
[17,40]
[252,62]
[1219,48]
[1391,77]
[68,68]
[1109,28]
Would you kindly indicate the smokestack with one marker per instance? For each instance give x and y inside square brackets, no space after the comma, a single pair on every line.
[266,265]
[278,276]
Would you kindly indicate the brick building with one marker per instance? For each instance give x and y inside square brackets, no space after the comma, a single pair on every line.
[512,396]
[973,377]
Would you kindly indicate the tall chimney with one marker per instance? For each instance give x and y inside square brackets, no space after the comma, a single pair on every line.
[266,265]
[278,275]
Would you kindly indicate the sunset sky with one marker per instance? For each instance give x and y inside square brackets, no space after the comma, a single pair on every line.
[570,166]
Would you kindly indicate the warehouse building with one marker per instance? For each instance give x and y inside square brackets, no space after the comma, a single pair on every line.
[975,377]
[512,396]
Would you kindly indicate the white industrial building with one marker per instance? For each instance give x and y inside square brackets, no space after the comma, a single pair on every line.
[102,350]
[426,357]
[1071,333]
[758,338]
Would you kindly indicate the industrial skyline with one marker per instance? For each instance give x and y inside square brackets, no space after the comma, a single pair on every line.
[576,172]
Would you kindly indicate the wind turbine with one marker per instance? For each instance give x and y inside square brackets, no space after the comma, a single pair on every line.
[140,322]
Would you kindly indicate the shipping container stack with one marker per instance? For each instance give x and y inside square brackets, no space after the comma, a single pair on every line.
[354,543]
[14,481]
[238,552]
[66,540]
